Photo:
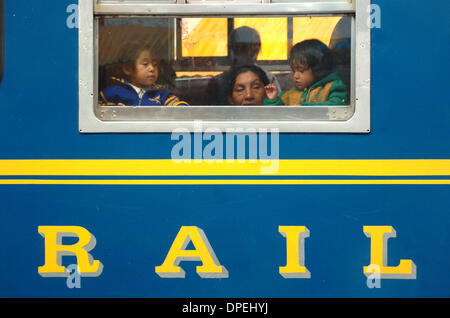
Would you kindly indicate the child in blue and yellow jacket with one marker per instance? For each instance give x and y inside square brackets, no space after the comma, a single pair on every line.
[139,87]
[315,81]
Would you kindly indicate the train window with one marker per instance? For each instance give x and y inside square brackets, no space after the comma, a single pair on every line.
[299,66]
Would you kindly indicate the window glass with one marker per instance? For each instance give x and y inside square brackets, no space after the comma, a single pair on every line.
[117,34]
[320,28]
[132,1]
[316,1]
[212,1]
[204,37]
[273,33]
[193,57]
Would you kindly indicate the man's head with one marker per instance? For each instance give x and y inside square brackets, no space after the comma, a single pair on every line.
[244,45]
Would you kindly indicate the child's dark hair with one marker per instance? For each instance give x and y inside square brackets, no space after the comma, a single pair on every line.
[131,51]
[314,54]
[235,71]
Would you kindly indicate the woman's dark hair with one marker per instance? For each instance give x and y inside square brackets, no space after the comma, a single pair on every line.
[235,71]
[314,54]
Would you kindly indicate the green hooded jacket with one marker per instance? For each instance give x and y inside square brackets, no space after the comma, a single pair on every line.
[330,90]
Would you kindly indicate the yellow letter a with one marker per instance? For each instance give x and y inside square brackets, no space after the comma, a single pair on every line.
[210,268]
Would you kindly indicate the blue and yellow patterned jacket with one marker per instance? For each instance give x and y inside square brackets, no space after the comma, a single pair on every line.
[120,91]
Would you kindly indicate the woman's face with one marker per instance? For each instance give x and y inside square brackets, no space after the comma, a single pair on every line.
[248,89]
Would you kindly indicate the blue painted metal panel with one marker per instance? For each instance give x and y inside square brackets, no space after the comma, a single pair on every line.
[135,225]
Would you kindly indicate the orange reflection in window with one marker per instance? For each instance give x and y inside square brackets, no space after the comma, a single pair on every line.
[273,33]
[202,37]
[321,28]
[208,37]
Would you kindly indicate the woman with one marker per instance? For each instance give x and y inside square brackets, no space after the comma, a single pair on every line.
[246,86]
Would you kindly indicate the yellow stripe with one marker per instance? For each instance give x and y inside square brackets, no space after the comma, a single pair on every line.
[103,96]
[167,167]
[220,182]
[170,100]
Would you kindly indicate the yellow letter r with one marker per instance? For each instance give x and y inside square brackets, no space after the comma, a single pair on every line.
[54,250]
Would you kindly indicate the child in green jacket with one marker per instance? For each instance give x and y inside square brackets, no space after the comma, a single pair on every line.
[315,81]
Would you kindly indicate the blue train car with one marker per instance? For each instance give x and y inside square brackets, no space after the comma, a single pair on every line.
[101,200]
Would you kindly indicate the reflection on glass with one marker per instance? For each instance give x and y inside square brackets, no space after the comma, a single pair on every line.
[226,1]
[202,37]
[320,28]
[173,61]
[273,33]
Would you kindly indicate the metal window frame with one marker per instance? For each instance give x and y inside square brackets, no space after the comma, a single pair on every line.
[354,118]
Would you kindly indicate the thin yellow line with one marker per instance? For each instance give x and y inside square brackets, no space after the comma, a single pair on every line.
[217,182]
[167,167]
